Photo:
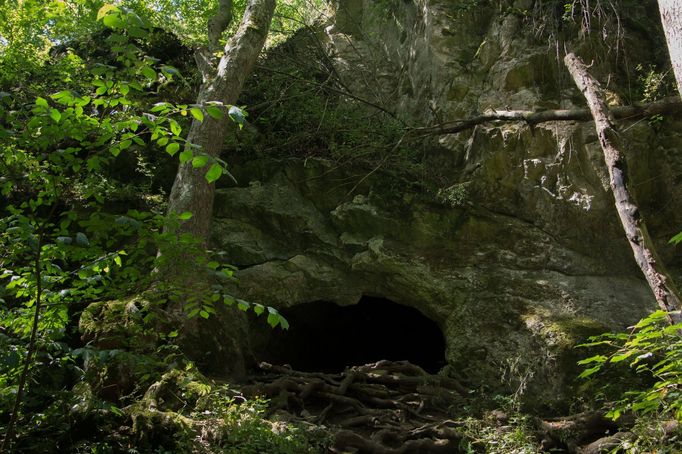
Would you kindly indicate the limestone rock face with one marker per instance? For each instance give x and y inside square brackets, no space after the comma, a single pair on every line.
[518,253]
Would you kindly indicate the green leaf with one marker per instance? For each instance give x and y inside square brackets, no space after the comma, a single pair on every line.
[273,320]
[213,265]
[592,370]
[614,414]
[185,216]
[213,173]
[175,128]
[137,32]
[149,73]
[161,106]
[243,305]
[594,359]
[64,97]
[197,113]
[215,112]
[173,334]
[204,314]
[113,21]
[103,11]
[677,239]
[172,148]
[237,115]
[42,102]
[623,357]
[186,155]
[193,313]
[651,319]
[170,70]
[199,161]
[55,115]
[81,239]
[258,308]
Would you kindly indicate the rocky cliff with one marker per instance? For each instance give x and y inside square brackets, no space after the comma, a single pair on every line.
[505,234]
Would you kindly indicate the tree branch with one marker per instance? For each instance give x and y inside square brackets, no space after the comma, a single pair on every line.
[202,57]
[628,211]
[346,94]
[667,106]
[218,24]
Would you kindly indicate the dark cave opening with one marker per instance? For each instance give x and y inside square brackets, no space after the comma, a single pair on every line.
[326,337]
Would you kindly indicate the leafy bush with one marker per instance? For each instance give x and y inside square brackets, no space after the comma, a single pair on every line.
[243,428]
[500,431]
[652,349]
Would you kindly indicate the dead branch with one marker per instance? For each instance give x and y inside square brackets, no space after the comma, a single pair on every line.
[667,106]
[628,211]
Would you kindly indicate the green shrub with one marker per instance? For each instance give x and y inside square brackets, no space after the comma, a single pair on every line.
[244,429]
[653,350]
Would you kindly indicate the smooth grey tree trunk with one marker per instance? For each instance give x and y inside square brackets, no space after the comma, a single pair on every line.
[630,217]
[671,18]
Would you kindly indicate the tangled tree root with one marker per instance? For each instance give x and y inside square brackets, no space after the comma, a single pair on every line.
[388,407]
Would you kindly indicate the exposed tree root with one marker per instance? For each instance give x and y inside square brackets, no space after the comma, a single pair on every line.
[576,430]
[385,407]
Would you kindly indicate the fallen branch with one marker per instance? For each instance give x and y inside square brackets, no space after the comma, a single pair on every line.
[633,223]
[667,106]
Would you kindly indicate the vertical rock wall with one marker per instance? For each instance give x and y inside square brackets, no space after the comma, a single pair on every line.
[517,255]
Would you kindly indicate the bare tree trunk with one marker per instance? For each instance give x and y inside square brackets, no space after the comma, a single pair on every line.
[191,192]
[671,18]
[633,224]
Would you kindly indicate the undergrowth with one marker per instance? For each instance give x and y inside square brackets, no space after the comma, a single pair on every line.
[640,372]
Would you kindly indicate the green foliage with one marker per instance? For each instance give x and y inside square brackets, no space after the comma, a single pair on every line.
[653,350]
[243,429]
[488,434]
[655,84]
[62,244]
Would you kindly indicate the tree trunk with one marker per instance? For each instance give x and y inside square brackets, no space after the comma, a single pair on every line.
[671,18]
[191,192]
[217,345]
[633,224]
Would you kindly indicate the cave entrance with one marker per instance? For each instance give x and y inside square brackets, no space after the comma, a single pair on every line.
[326,337]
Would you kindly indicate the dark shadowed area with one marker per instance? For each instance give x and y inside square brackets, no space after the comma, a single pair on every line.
[326,337]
